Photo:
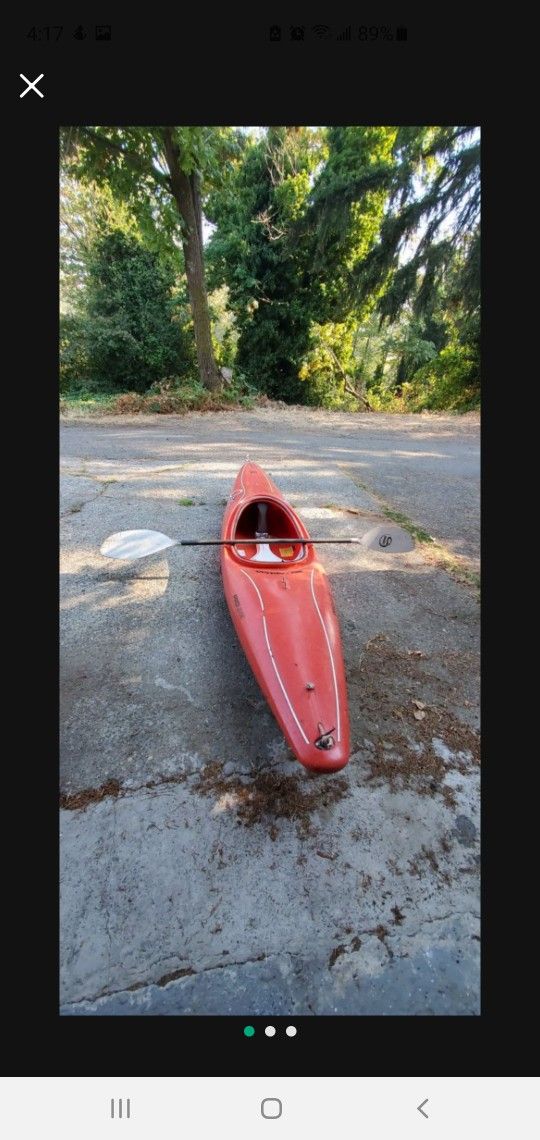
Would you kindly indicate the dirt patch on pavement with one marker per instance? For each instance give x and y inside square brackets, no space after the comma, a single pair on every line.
[335,954]
[90,796]
[270,796]
[80,800]
[420,742]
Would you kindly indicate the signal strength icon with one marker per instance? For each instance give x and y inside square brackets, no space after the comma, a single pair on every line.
[322,31]
[345,34]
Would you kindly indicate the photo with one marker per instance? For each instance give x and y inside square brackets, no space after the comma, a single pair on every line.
[269,347]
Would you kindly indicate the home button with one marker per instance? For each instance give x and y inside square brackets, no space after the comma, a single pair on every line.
[271,1108]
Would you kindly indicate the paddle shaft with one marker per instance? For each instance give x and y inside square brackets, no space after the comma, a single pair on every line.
[257,541]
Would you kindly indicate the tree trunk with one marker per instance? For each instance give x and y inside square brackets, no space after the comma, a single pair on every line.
[348,384]
[187,197]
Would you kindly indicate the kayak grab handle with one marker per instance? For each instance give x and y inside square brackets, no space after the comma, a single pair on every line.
[325,740]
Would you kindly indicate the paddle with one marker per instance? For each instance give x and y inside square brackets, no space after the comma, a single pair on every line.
[131,544]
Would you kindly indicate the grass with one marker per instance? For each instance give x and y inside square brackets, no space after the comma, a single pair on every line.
[414,530]
[86,402]
[433,551]
[186,502]
[437,554]
[454,566]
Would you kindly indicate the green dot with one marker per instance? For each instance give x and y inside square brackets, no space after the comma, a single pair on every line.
[248,1031]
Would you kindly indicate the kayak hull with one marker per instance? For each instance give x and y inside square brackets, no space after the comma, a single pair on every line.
[281,605]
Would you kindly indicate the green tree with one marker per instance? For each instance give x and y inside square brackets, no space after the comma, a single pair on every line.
[432,213]
[451,379]
[132,334]
[328,367]
[285,255]
[420,270]
[87,212]
[255,253]
[162,173]
[346,211]
[344,263]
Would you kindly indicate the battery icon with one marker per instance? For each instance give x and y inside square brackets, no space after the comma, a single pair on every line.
[401,33]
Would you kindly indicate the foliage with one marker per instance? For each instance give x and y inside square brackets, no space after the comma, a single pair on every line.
[162,175]
[325,366]
[450,381]
[88,211]
[256,252]
[74,362]
[167,397]
[421,270]
[131,163]
[433,205]
[346,210]
[132,332]
[343,260]
[224,331]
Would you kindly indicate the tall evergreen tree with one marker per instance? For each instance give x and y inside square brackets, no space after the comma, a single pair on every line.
[431,185]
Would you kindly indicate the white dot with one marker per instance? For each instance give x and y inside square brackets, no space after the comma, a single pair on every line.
[270,1030]
[291,1031]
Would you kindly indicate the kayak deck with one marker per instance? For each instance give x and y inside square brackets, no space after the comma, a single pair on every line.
[282,608]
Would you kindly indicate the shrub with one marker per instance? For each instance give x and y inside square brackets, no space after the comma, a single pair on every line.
[329,356]
[128,404]
[174,396]
[73,352]
[450,382]
[132,331]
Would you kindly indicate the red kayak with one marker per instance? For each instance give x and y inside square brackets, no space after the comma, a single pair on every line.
[280,602]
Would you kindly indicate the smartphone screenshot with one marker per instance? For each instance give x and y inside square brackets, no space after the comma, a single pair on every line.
[256,272]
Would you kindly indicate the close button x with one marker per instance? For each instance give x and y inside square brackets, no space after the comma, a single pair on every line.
[32,86]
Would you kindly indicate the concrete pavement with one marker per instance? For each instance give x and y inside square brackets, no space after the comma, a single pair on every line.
[186,886]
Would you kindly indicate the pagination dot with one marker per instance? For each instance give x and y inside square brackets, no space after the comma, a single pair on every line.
[270,1031]
[291,1031]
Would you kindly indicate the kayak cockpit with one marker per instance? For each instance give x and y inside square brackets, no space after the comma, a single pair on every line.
[257,523]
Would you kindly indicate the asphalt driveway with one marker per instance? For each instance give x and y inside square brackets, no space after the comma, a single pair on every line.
[203,871]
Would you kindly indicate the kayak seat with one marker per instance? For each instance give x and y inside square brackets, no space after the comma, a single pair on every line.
[257,523]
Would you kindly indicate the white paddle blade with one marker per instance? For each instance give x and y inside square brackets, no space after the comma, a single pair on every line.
[131,544]
[388,539]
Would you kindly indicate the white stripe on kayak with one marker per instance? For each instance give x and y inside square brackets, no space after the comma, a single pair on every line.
[338,727]
[255,586]
[235,496]
[283,689]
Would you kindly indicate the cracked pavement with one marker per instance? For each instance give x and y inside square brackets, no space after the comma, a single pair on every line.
[186,888]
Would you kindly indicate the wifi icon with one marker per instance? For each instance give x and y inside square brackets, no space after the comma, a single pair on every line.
[322,31]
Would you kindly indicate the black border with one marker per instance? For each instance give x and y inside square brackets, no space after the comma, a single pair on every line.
[246,85]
